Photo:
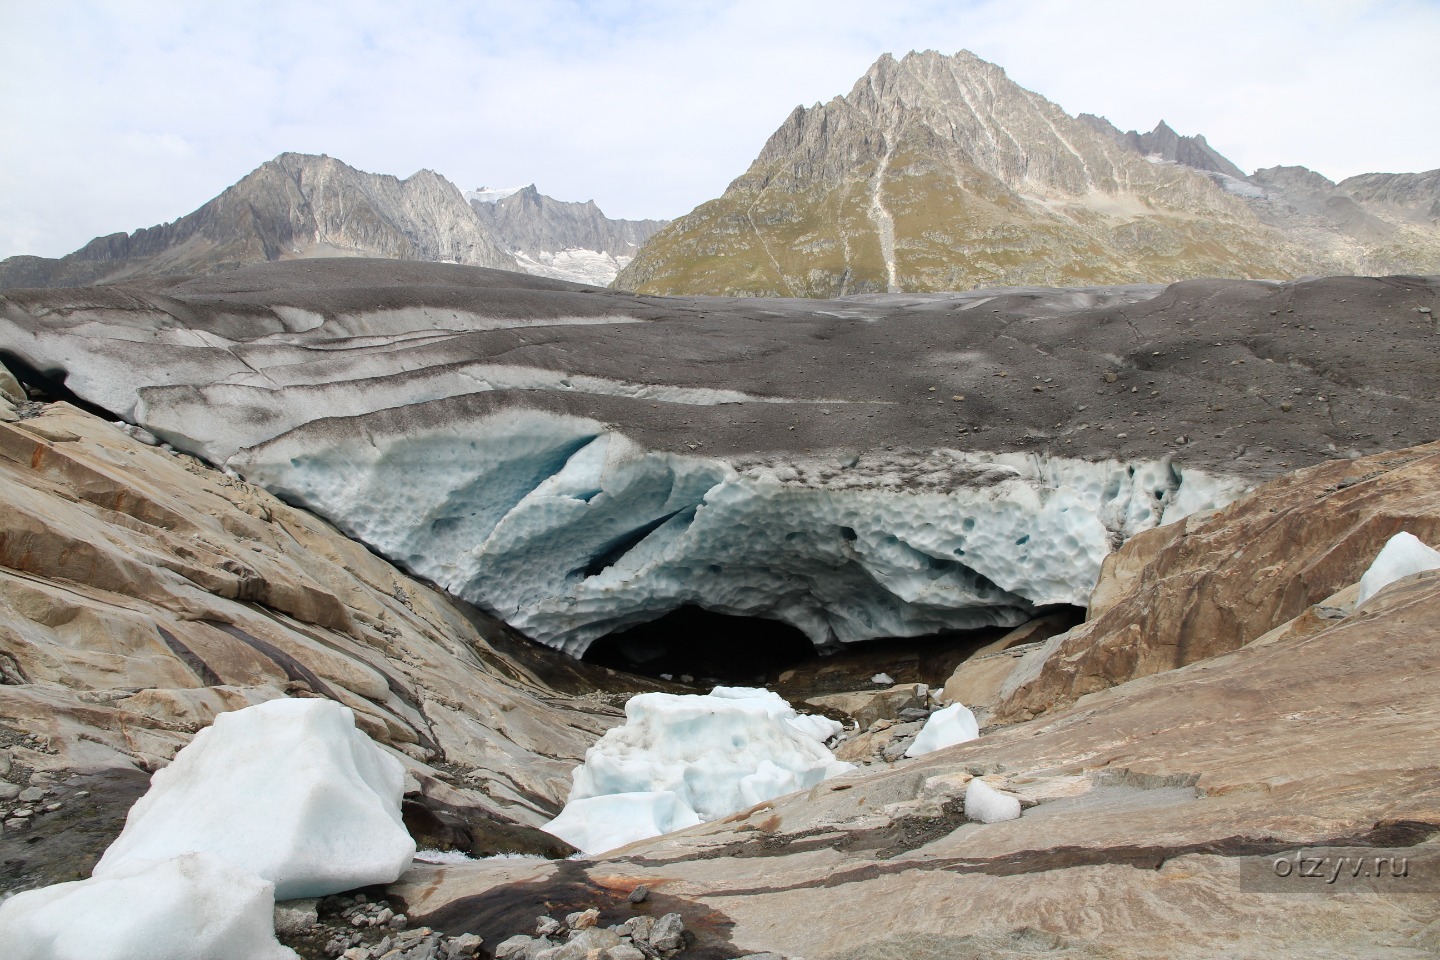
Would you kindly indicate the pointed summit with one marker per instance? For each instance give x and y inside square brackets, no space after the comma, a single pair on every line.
[939,172]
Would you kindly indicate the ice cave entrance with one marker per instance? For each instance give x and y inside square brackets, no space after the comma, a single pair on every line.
[711,648]
[705,645]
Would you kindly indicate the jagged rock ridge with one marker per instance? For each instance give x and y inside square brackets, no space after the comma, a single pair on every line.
[292,207]
[554,238]
[299,206]
[940,173]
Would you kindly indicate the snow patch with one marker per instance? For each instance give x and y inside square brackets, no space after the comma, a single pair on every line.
[1402,556]
[576,264]
[680,760]
[492,194]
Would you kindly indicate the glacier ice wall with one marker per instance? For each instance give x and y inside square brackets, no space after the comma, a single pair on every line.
[569,531]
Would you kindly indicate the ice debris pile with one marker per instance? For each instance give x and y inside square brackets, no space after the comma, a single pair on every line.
[945,728]
[1402,556]
[569,531]
[283,797]
[680,760]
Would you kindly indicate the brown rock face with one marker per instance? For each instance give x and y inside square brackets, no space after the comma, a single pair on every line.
[1209,585]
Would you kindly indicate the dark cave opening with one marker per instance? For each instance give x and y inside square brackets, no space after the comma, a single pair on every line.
[708,647]
[705,646]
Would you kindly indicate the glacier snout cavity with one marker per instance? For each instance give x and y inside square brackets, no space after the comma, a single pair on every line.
[568,530]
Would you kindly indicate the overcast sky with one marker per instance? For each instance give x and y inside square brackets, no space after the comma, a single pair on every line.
[119,114]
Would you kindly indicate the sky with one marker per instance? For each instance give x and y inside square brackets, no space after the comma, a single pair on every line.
[121,114]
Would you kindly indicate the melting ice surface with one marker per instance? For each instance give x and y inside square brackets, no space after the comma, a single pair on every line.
[679,760]
[569,531]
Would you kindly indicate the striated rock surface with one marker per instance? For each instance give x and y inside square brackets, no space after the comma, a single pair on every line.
[142,593]
[940,173]
[1276,800]
[294,206]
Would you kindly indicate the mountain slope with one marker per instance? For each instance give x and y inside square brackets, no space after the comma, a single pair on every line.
[554,238]
[940,173]
[294,206]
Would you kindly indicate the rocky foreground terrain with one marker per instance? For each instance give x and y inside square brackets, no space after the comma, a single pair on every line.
[1229,755]
[939,172]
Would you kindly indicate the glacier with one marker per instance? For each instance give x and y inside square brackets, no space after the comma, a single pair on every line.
[568,530]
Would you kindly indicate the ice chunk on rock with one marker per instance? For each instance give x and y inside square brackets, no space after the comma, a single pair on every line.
[716,753]
[288,790]
[604,823]
[945,728]
[988,805]
[191,907]
[1403,555]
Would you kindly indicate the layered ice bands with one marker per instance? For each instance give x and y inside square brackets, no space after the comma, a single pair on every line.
[569,531]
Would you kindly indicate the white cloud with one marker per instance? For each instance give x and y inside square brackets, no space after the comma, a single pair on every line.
[122,113]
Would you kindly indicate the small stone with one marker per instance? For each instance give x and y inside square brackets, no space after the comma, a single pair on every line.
[52,807]
[1423,309]
[334,948]
[384,916]
[8,791]
[294,917]
[583,920]
[624,951]
[1287,406]
[1111,377]
[547,926]
[1038,389]
[465,945]
[81,795]
[399,922]
[32,794]
[669,933]
[640,894]
[640,928]
[513,948]
[958,397]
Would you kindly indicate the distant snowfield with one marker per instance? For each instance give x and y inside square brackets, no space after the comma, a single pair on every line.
[492,194]
[576,265]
